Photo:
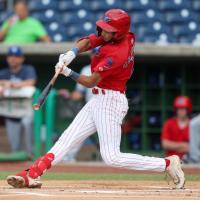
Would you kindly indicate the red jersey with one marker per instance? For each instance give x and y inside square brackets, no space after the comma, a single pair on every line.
[171,131]
[114,61]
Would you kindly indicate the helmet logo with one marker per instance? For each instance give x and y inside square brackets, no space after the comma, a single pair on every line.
[106,19]
[181,101]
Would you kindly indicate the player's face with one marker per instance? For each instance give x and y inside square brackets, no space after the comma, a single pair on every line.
[21,10]
[181,113]
[107,36]
[15,61]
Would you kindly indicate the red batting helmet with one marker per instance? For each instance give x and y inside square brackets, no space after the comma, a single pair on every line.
[115,20]
[183,102]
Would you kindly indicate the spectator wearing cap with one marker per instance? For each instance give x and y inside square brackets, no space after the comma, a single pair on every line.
[17,76]
[21,28]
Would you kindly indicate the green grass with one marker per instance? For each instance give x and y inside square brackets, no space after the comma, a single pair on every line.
[89,176]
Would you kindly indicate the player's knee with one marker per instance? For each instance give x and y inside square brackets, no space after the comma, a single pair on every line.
[109,159]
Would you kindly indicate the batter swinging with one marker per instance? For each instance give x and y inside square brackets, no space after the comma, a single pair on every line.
[111,68]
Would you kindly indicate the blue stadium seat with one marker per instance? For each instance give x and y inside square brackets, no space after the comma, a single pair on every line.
[139,18]
[57,32]
[189,29]
[77,17]
[146,17]
[181,16]
[138,5]
[170,5]
[59,37]
[196,5]
[103,5]
[71,5]
[88,27]
[146,39]
[186,39]
[46,16]
[151,32]
[2,6]
[196,40]
[73,30]
[4,16]
[164,39]
[80,30]
[38,5]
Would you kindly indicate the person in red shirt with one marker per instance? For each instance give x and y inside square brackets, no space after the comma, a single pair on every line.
[175,133]
[111,67]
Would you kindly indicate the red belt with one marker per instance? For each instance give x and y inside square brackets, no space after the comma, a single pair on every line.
[97,91]
[101,91]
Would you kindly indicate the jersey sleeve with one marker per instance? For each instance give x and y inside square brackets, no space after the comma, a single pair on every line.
[95,40]
[108,65]
[166,132]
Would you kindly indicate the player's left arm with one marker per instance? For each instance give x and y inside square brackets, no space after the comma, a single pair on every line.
[83,45]
[87,81]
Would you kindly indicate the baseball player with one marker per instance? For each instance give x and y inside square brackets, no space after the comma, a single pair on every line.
[175,133]
[111,67]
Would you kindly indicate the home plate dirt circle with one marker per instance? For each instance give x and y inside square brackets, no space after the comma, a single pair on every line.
[96,190]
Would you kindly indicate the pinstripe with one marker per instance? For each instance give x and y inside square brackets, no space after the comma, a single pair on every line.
[82,127]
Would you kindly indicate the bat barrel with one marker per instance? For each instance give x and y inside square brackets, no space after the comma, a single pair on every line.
[42,97]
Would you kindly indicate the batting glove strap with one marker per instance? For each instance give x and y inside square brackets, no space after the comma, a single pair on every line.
[67,57]
[66,71]
[74,75]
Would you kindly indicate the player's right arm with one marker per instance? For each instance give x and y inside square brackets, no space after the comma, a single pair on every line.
[3,32]
[87,81]
[6,26]
[169,144]
[84,44]
[180,147]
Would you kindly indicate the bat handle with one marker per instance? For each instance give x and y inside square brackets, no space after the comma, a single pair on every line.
[56,75]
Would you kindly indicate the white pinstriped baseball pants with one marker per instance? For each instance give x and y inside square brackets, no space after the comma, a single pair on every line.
[104,114]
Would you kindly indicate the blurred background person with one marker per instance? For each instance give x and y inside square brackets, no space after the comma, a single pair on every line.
[17,76]
[181,134]
[194,150]
[175,132]
[21,28]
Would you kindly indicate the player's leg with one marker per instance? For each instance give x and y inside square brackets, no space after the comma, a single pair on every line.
[13,128]
[194,151]
[108,123]
[81,127]
[27,124]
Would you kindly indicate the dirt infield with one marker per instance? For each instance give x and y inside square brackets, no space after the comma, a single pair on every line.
[98,190]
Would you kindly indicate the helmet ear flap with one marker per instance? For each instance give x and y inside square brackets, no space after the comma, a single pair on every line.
[99,30]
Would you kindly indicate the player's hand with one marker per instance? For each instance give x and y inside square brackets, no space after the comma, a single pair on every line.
[67,58]
[12,20]
[62,69]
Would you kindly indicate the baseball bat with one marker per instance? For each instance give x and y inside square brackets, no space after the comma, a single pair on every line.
[45,92]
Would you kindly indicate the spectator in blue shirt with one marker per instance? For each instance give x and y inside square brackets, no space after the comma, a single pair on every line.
[18,75]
